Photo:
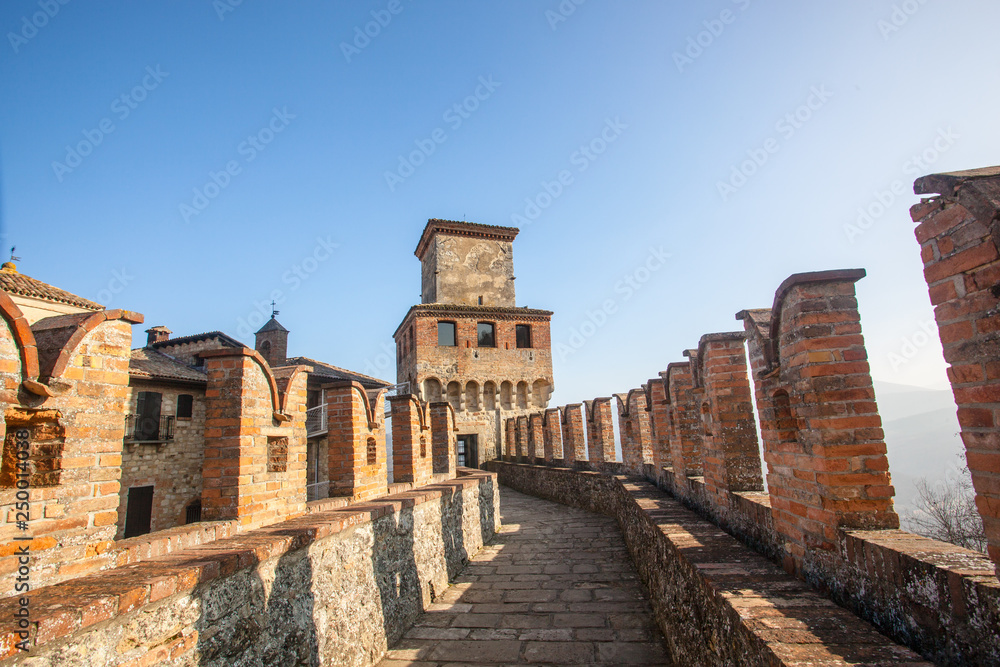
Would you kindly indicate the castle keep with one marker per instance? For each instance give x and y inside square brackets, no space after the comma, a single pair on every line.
[269,533]
[467,343]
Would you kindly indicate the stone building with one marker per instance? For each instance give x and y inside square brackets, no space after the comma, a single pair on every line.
[164,442]
[467,342]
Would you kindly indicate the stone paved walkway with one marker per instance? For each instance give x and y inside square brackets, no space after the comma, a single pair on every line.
[556,586]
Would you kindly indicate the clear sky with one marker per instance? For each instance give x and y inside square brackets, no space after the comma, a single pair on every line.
[191,159]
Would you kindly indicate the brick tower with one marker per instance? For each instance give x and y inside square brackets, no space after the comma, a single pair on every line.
[467,343]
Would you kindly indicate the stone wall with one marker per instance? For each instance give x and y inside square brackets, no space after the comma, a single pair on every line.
[335,587]
[718,602]
[172,467]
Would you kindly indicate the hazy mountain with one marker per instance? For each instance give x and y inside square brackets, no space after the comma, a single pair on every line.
[921,435]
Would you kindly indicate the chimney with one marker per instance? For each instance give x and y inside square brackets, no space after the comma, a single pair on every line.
[157,335]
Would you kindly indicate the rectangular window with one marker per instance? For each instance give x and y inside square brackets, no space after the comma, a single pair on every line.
[446,334]
[147,416]
[139,511]
[185,406]
[523,332]
[486,333]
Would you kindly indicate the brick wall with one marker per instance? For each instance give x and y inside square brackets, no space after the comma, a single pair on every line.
[574,447]
[411,440]
[958,229]
[536,437]
[255,447]
[823,439]
[74,426]
[552,435]
[684,416]
[443,438]
[600,431]
[356,441]
[730,456]
[658,410]
[634,427]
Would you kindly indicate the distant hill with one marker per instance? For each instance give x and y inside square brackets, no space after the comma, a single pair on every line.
[921,436]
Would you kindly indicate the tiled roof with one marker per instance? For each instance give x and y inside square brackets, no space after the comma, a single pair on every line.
[271,325]
[336,373]
[13,282]
[225,339]
[150,364]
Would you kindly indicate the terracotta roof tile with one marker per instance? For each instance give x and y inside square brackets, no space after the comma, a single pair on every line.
[13,282]
[150,364]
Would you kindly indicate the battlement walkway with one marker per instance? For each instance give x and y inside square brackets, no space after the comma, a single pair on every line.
[556,585]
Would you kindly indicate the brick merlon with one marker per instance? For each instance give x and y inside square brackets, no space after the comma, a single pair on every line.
[834,276]
[947,183]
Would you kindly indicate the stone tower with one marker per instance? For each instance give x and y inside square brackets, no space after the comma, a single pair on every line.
[467,342]
[272,342]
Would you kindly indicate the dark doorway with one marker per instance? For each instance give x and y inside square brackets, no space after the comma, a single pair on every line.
[467,449]
[139,512]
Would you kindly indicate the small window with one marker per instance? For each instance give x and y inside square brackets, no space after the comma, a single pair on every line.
[486,334]
[446,334]
[277,454]
[185,405]
[480,301]
[371,451]
[523,335]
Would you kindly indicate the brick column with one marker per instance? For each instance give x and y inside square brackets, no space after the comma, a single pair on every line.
[356,441]
[523,447]
[411,441]
[959,236]
[443,438]
[600,431]
[254,465]
[536,438]
[823,440]
[574,448]
[633,421]
[686,429]
[730,452]
[553,435]
[658,410]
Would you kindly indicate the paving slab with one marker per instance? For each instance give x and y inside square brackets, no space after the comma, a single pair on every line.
[554,587]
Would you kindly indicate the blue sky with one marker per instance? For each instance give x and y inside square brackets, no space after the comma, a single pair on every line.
[238,151]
